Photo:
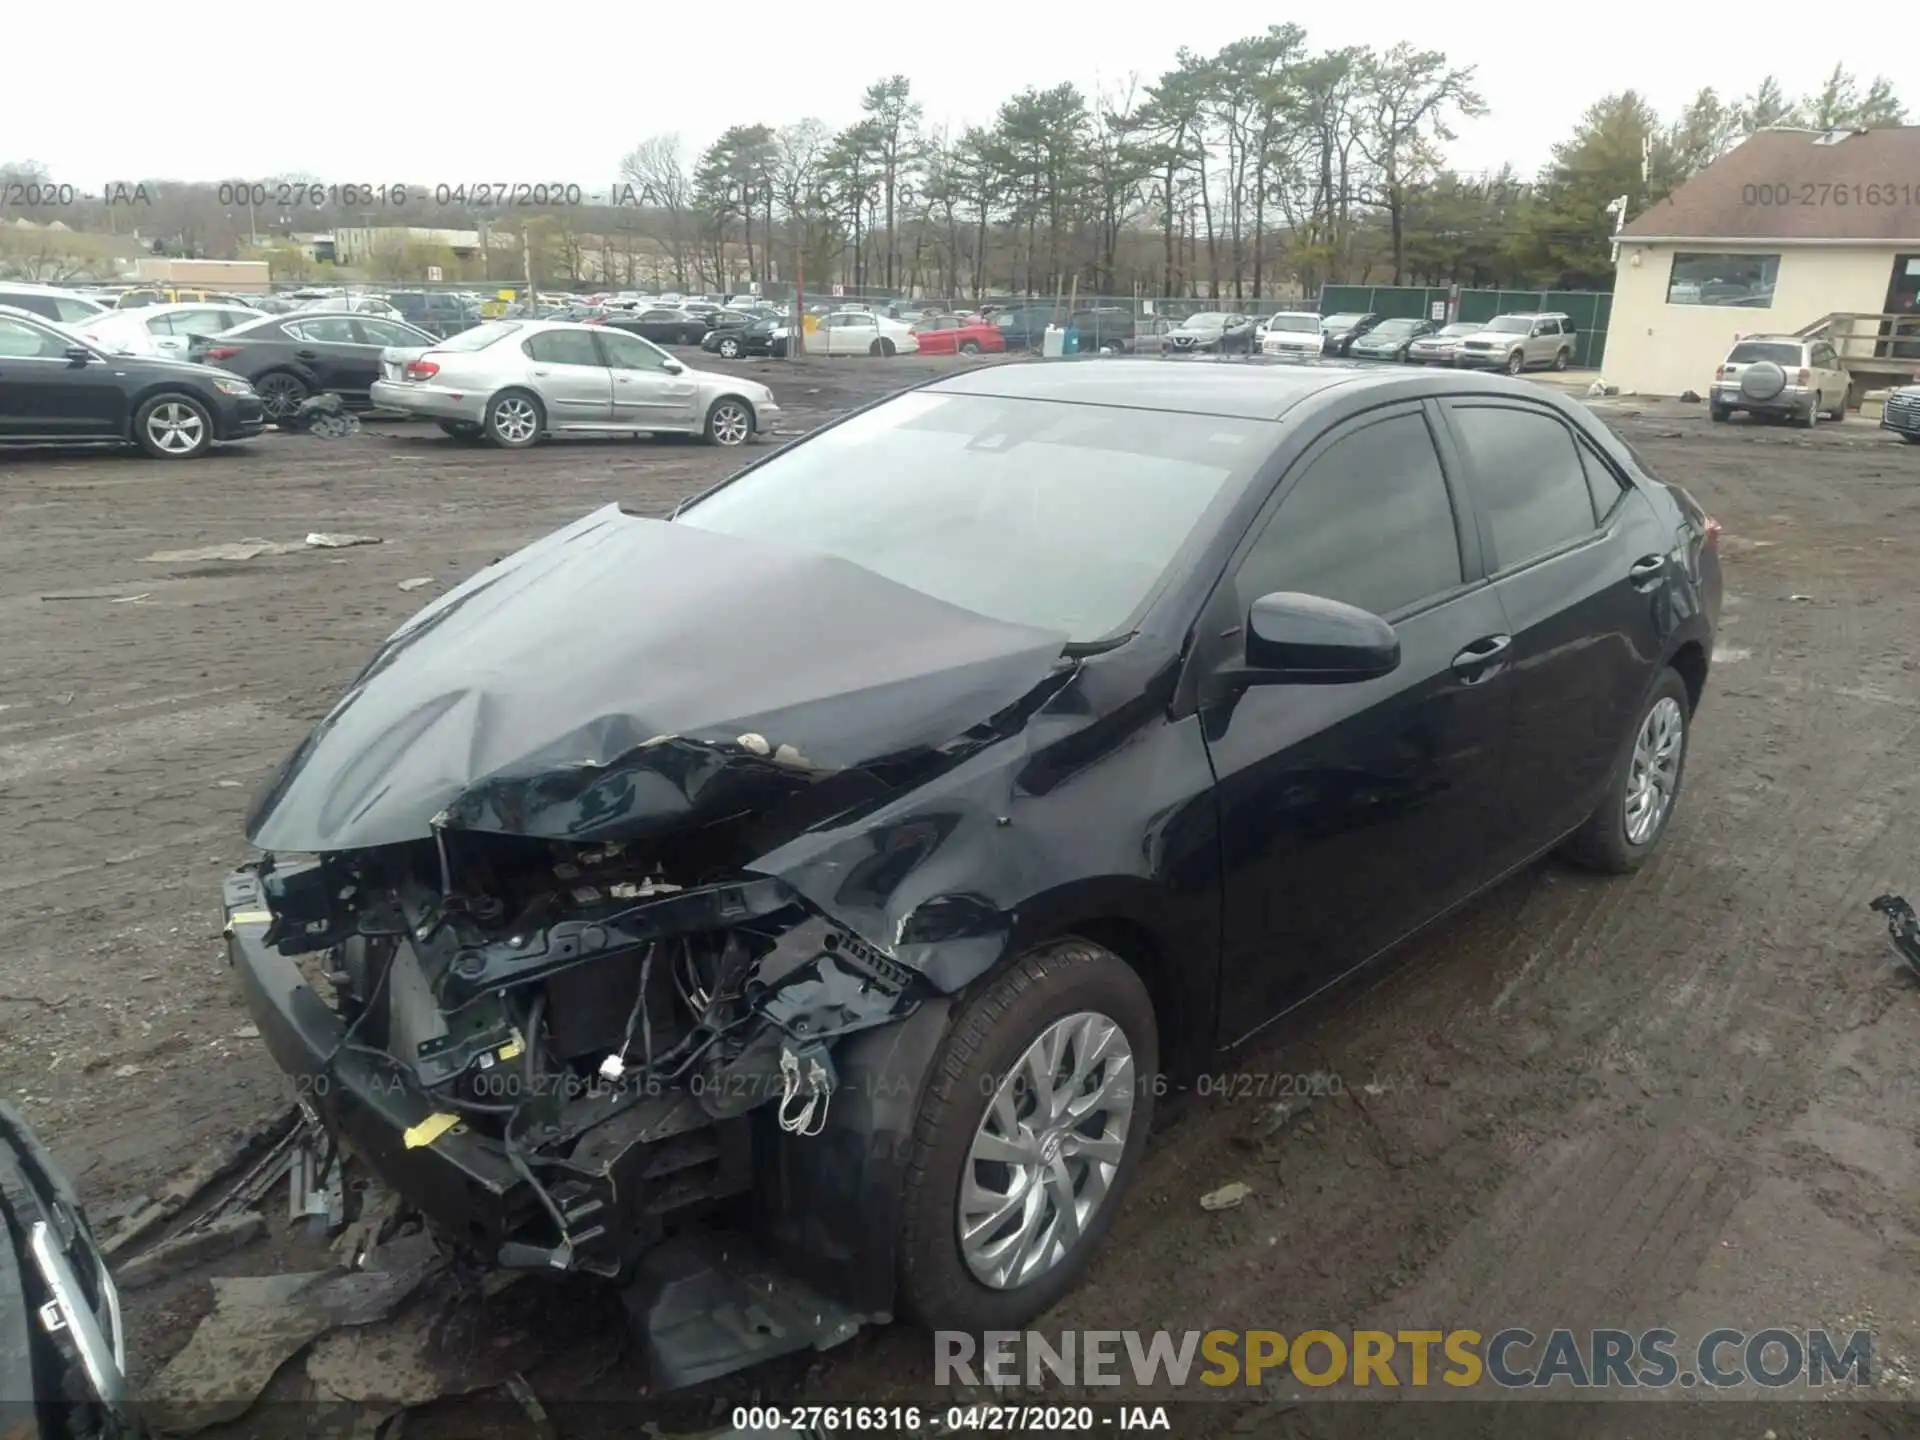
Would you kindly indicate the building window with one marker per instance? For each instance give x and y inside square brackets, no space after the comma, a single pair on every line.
[1739,280]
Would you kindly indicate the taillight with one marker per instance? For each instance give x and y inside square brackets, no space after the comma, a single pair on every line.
[422,369]
[1806,377]
[1713,530]
[221,352]
[1719,372]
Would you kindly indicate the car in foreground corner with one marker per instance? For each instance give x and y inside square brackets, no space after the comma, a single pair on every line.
[57,388]
[514,382]
[796,904]
[63,1350]
[1902,413]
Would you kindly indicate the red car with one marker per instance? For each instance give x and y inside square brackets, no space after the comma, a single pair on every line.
[952,335]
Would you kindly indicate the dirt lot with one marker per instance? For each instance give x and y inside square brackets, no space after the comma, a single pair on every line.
[1682,1099]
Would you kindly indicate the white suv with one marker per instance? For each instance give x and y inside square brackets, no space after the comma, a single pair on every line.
[1781,375]
[1520,341]
[1291,332]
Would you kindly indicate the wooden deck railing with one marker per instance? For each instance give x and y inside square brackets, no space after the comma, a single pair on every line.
[1874,344]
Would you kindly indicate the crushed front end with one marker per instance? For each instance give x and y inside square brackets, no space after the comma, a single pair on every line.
[563,1055]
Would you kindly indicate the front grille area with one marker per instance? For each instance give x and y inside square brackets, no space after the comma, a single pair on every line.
[1903,413]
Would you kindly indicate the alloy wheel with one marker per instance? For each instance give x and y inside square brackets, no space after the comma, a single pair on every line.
[176,428]
[1654,774]
[730,424]
[281,395]
[1046,1152]
[514,420]
[730,349]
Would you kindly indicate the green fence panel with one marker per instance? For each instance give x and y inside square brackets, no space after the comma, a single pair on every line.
[1588,309]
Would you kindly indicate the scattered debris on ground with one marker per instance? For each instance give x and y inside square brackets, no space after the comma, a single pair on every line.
[1227,1197]
[252,548]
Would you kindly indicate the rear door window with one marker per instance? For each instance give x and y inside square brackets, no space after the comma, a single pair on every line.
[1526,479]
[564,347]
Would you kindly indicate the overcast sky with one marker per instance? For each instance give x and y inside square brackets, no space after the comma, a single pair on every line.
[440,95]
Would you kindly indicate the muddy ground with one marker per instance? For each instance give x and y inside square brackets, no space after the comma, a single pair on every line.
[1686,1098]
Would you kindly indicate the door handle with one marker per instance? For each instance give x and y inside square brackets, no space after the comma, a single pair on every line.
[306,354]
[1480,660]
[1647,572]
[541,373]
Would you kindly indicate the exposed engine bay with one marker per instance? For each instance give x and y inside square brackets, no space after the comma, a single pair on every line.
[608,1020]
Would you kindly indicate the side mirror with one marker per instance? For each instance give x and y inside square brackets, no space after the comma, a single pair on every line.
[1295,639]
[674,367]
[78,354]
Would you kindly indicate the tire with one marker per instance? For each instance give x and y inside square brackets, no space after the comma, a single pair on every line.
[969,347]
[729,348]
[1516,362]
[1717,413]
[729,422]
[1839,411]
[515,420]
[882,348]
[1812,418]
[983,1050]
[1605,842]
[282,393]
[460,429]
[173,426]
[1562,359]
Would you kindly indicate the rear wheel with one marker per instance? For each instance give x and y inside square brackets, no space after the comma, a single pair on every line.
[969,347]
[1717,412]
[1562,359]
[1839,411]
[1029,1132]
[514,419]
[1812,417]
[281,394]
[1645,787]
[882,348]
[173,427]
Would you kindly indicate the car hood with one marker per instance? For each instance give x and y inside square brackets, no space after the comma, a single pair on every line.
[624,677]
[161,365]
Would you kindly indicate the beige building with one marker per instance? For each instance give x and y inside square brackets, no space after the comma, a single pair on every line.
[1782,234]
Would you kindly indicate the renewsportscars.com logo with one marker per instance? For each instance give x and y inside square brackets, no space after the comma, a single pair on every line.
[1510,1359]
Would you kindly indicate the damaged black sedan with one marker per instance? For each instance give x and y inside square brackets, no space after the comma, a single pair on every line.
[794,907]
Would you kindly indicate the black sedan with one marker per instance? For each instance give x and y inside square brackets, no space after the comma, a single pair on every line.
[57,389]
[1213,332]
[1389,339]
[663,327]
[1019,747]
[754,335]
[1338,332]
[291,358]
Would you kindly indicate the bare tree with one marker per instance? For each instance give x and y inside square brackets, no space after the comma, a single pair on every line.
[657,170]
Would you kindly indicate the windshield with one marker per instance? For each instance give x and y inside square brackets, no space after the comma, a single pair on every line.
[1456,330]
[1206,320]
[1751,352]
[1303,323]
[1341,322]
[479,337]
[1396,327]
[1059,516]
[1512,325]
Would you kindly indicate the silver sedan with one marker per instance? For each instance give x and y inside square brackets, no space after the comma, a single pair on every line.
[514,381]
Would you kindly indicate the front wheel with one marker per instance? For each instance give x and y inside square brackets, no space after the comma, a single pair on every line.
[1516,362]
[1030,1130]
[729,349]
[1644,789]
[513,420]
[729,423]
[173,427]
[969,347]
[1562,359]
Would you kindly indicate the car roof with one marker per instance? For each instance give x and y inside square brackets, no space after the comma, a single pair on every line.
[1253,388]
[1775,339]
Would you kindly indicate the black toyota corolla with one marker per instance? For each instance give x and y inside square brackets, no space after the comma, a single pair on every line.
[822,883]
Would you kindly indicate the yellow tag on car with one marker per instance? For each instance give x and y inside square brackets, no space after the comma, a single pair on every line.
[248,917]
[430,1129]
